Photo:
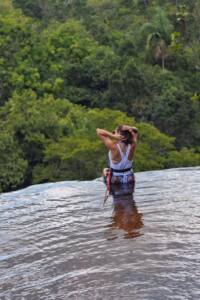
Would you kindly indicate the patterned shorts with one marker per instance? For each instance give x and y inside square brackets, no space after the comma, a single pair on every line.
[121,179]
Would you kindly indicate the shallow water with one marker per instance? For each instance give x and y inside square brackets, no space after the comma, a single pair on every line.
[58,241]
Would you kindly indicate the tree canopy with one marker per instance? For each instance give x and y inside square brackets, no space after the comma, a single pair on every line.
[67,67]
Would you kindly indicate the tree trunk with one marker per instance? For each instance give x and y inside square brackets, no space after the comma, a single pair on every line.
[163,62]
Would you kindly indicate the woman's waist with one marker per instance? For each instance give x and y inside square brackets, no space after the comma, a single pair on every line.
[121,166]
[122,172]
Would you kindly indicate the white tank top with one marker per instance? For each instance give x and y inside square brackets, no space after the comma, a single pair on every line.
[124,163]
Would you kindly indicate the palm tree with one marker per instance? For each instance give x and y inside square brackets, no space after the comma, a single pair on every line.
[158,47]
[158,36]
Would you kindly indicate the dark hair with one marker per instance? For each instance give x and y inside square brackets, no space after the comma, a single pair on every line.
[128,138]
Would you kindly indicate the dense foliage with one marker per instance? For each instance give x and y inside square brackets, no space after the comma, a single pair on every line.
[69,66]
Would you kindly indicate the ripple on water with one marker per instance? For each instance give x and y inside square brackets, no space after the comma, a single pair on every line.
[58,241]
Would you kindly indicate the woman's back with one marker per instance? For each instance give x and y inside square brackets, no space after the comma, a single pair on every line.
[124,162]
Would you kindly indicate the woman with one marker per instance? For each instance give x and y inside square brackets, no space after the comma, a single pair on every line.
[121,145]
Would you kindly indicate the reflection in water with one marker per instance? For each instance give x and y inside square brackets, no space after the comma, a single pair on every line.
[125,213]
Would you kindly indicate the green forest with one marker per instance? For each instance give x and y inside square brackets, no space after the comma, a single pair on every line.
[70,66]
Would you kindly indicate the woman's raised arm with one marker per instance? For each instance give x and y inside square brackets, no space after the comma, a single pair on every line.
[108,138]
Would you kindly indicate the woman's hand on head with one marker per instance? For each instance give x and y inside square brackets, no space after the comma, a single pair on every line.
[129,128]
[134,134]
[118,137]
[133,131]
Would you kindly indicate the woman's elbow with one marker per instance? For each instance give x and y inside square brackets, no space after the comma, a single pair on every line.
[98,131]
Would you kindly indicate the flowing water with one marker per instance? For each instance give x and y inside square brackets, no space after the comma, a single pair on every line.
[58,241]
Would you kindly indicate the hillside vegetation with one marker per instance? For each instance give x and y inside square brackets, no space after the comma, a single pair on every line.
[69,66]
